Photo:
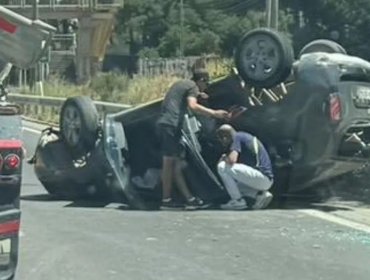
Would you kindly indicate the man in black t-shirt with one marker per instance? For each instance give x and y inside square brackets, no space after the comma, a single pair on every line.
[181,96]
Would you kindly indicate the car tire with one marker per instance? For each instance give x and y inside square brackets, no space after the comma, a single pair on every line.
[253,58]
[79,124]
[322,45]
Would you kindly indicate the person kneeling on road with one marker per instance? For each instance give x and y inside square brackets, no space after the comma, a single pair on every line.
[245,169]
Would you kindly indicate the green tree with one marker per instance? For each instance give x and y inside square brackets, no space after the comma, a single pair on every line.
[142,23]
[153,27]
[344,21]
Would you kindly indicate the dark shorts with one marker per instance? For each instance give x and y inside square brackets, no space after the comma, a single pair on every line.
[169,138]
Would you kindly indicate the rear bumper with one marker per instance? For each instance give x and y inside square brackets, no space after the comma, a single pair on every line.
[9,240]
[10,187]
[10,180]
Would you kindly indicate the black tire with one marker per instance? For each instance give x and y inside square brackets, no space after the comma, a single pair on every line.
[79,124]
[322,45]
[276,53]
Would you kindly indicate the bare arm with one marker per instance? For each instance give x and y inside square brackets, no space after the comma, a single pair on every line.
[232,158]
[197,108]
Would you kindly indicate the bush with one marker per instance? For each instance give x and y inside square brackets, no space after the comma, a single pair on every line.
[111,87]
[118,88]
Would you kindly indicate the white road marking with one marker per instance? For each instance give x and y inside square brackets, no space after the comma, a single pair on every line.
[32,130]
[335,219]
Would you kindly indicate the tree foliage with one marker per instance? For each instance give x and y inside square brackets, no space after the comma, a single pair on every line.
[153,27]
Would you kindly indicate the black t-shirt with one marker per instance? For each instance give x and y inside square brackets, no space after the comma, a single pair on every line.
[174,105]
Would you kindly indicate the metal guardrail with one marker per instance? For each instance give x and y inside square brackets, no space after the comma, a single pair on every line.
[48,108]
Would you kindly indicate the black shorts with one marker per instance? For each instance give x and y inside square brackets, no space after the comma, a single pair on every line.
[169,138]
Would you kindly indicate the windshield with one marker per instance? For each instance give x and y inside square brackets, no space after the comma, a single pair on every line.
[10,127]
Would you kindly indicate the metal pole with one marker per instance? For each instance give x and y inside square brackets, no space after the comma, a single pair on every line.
[35,7]
[275,14]
[268,13]
[35,15]
[37,70]
[181,28]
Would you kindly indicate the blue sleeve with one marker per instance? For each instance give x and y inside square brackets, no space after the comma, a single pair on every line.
[236,145]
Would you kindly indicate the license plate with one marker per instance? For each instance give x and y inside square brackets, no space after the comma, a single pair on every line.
[361,97]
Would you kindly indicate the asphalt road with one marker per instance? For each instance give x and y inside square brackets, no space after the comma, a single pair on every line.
[67,240]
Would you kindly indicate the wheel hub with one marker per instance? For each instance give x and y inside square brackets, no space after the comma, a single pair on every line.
[260,57]
[72,125]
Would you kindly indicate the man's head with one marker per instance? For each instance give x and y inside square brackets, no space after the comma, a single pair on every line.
[201,78]
[225,134]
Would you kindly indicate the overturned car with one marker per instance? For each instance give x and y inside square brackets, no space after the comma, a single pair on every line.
[312,114]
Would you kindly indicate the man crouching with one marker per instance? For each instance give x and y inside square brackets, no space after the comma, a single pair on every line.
[245,170]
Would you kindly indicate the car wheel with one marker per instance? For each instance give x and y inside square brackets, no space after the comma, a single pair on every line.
[322,45]
[79,123]
[264,58]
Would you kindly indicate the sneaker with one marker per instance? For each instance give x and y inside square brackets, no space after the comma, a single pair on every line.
[195,203]
[263,200]
[235,204]
[168,204]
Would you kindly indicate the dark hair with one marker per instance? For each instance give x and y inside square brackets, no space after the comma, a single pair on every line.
[200,74]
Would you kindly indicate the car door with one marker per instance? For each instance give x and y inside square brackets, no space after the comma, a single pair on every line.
[115,149]
[191,128]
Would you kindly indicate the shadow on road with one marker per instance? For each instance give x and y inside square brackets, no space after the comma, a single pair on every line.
[344,194]
[40,197]
[87,204]
[285,204]
[81,203]
[323,206]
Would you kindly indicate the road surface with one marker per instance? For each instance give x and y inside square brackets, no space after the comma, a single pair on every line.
[64,240]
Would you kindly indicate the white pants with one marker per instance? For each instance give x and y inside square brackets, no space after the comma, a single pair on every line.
[242,180]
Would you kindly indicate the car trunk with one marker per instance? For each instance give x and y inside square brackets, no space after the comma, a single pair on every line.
[354,118]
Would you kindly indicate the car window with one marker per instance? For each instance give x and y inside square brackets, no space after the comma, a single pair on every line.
[10,127]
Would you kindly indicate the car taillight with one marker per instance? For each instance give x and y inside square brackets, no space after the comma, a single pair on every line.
[335,108]
[10,227]
[12,161]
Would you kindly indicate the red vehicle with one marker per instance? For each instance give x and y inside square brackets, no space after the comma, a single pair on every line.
[23,43]
[11,156]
